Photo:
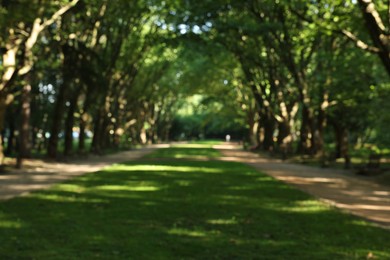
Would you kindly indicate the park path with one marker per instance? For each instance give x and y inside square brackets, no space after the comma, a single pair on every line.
[340,188]
[38,174]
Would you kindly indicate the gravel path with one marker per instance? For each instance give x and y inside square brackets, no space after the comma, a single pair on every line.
[340,188]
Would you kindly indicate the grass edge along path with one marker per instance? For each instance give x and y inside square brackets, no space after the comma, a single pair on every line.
[181,209]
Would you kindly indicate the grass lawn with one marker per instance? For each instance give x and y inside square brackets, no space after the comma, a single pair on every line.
[181,209]
[195,151]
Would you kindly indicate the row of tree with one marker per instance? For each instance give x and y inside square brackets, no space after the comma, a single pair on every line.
[312,67]
[296,74]
[73,69]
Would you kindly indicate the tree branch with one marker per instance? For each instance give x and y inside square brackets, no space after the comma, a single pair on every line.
[37,28]
[58,14]
[359,43]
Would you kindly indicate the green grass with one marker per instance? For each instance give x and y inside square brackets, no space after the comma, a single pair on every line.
[186,151]
[207,142]
[181,210]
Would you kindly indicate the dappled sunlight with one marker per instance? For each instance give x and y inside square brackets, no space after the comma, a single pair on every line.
[10,224]
[363,207]
[232,221]
[210,208]
[307,180]
[187,232]
[306,206]
[231,199]
[359,222]
[145,187]
[159,168]
[243,188]
[71,188]
[66,198]
[149,203]
[191,145]
[183,183]
[382,193]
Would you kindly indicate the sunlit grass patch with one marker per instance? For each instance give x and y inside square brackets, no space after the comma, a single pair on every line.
[208,142]
[162,168]
[186,232]
[307,206]
[10,224]
[231,221]
[144,187]
[186,151]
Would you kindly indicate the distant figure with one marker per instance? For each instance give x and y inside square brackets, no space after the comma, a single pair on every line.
[227,138]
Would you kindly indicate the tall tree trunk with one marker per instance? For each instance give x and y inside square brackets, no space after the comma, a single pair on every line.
[284,132]
[303,144]
[82,135]
[341,141]
[259,133]
[269,129]
[69,123]
[321,124]
[97,133]
[84,120]
[11,143]
[57,117]
[342,144]
[24,131]
[5,100]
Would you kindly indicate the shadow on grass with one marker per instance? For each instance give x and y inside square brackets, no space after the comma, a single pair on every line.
[176,210]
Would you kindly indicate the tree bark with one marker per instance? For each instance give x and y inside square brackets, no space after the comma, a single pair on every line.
[341,135]
[24,131]
[57,117]
[269,129]
[69,124]
[97,133]
[377,30]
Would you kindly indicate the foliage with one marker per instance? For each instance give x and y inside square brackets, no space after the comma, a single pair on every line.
[277,74]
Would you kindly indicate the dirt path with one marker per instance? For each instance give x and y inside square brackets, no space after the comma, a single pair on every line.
[38,174]
[338,187]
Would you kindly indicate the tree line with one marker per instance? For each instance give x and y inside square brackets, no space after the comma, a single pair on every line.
[297,74]
[318,70]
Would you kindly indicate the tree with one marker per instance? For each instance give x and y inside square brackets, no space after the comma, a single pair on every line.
[21,35]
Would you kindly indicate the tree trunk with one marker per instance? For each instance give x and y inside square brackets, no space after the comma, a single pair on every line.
[82,135]
[97,134]
[341,135]
[269,129]
[284,139]
[57,117]
[83,122]
[69,124]
[11,138]
[259,134]
[320,131]
[24,131]
[304,145]
[5,100]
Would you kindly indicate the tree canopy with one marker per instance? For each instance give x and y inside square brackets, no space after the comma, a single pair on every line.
[286,76]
